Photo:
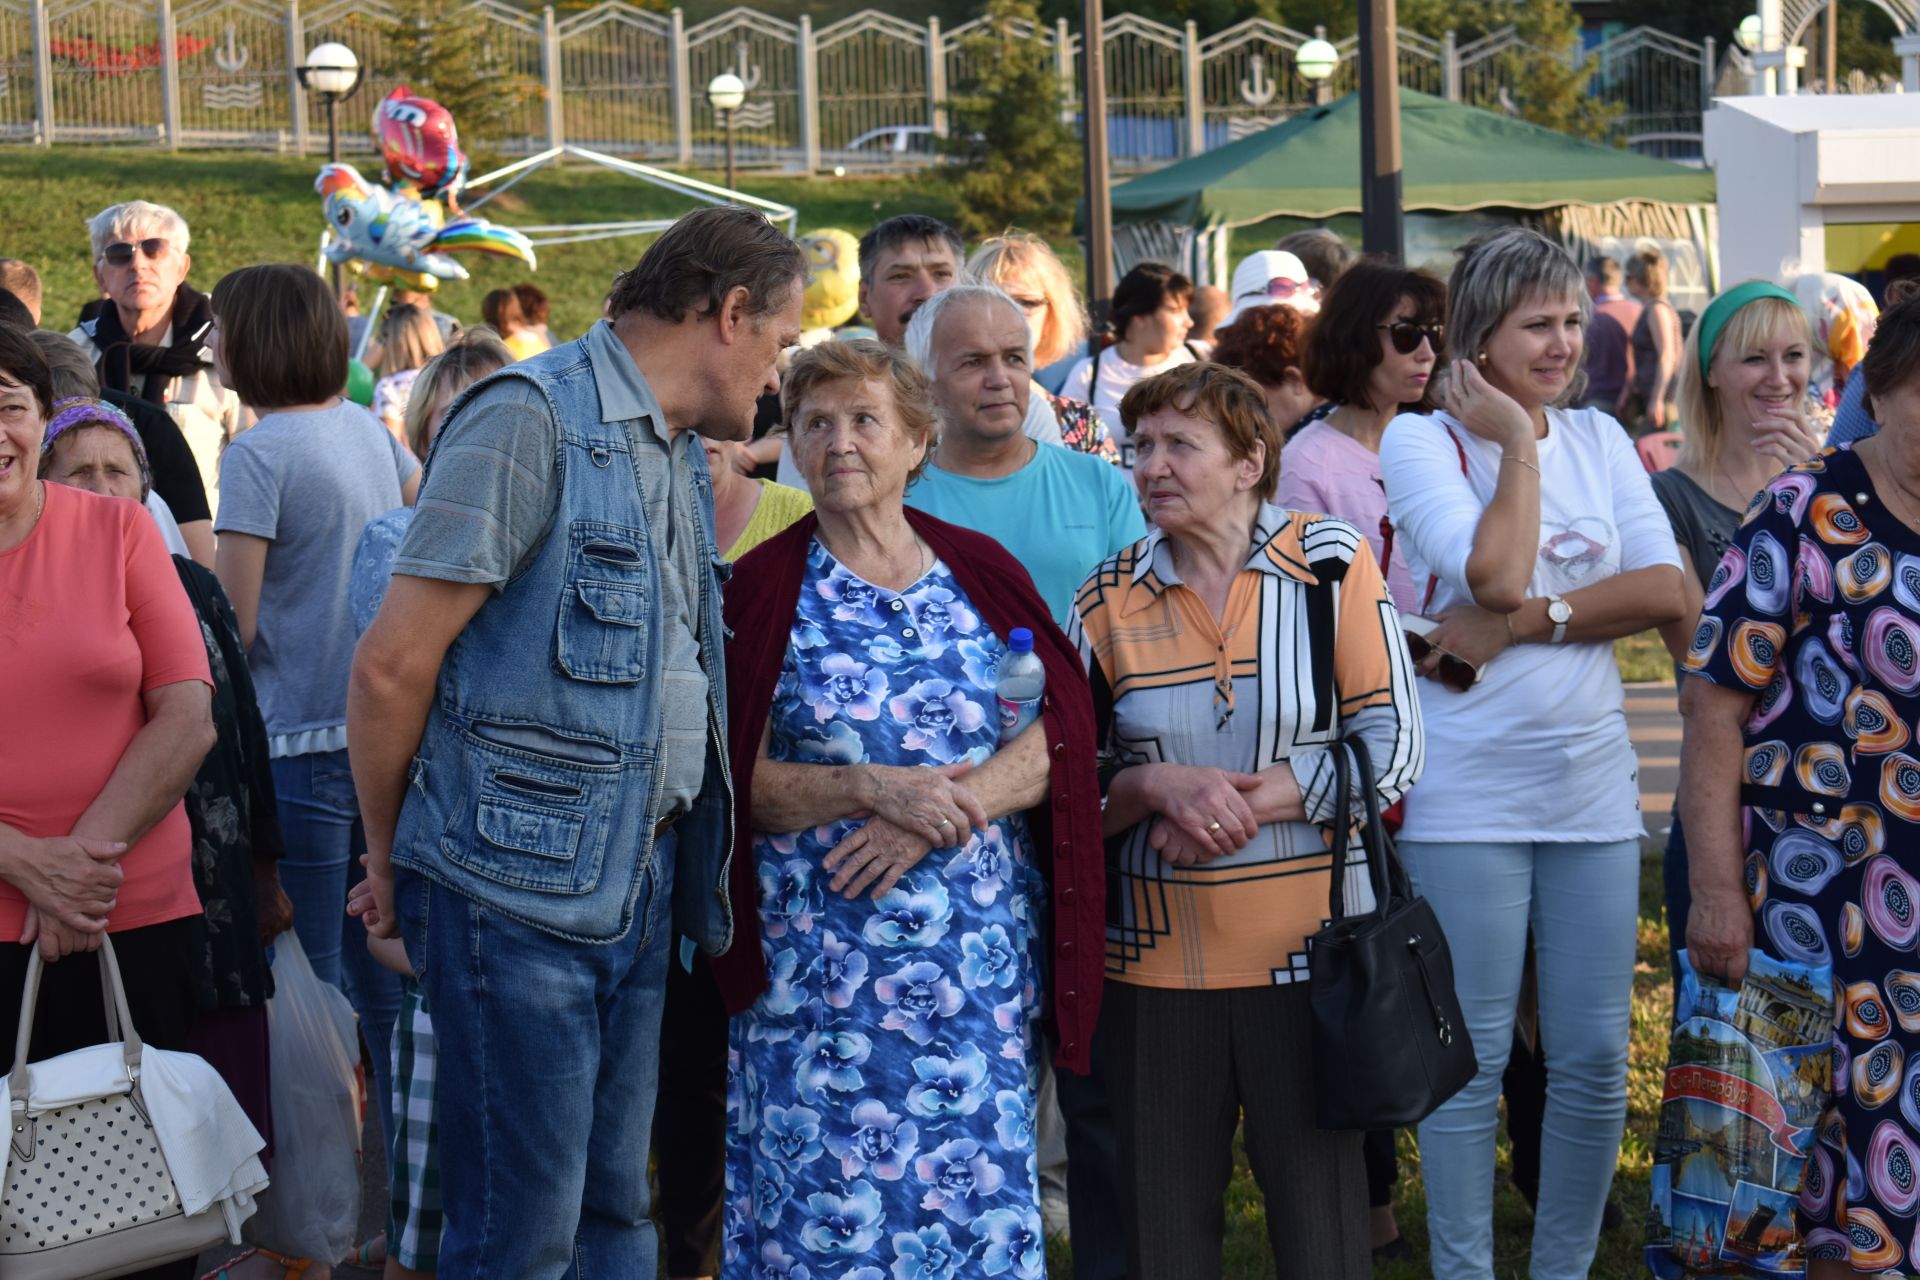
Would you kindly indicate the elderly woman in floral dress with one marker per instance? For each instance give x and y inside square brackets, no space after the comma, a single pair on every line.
[883,1061]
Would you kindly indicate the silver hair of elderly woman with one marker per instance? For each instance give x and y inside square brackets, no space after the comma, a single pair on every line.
[919,336]
[136,220]
[1498,272]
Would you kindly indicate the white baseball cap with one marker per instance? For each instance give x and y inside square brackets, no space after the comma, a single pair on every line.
[1273,277]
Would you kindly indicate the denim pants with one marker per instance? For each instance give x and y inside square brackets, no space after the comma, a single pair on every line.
[1582,901]
[548,1060]
[320,826]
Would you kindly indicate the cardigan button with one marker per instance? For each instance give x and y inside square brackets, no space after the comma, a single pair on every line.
[1066,893]
[1071,1045]
[1068,997]
[1064,849]
[1059,799]
[1059,751]
[1066,947]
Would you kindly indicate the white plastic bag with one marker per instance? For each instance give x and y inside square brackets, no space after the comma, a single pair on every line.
[314,1204]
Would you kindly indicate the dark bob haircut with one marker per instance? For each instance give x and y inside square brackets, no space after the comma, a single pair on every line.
[1893,359]
[1346,344]
[702,258]
[1263,343]
[1143,291]
[283,336]
[907,228]
[22,364]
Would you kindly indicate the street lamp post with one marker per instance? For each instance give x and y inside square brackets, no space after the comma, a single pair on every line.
[725,92]
[1316,61]
[1382,222]
[333,72]
[1093,141]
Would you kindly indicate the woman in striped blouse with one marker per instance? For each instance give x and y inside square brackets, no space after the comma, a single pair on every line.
[1229,651]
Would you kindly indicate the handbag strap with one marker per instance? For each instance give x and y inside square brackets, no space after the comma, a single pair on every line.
[119,1019]
[1381,864]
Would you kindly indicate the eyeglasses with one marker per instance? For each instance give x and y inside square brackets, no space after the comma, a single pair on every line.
[120,253]
[1280,288]
[1407,336]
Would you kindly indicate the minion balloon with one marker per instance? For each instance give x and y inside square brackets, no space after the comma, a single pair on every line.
[833,280]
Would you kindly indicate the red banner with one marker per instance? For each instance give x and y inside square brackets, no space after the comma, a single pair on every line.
[1707,1084]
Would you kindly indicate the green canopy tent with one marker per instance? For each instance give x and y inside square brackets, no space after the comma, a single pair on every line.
[1458,160]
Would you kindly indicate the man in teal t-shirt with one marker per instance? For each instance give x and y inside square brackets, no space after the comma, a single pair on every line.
[1058,512]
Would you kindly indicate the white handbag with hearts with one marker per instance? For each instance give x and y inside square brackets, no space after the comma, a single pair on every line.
[88,1191]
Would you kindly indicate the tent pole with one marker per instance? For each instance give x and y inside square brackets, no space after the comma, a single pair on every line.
[1093,133]
[1382,223]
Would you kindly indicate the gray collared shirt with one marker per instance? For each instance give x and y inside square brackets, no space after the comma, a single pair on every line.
[489,500]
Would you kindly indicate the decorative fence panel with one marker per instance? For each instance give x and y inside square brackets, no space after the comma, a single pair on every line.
[765,53]
[873,86]
[235,90]
[104,71]
[616,72]
[865,91]
[19,114]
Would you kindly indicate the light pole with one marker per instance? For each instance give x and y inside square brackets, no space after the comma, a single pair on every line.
[1093,141]
[1315,61]
[726,92]
[333,72]
[1382,222]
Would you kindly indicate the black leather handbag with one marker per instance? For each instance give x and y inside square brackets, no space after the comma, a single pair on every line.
[1389,1042]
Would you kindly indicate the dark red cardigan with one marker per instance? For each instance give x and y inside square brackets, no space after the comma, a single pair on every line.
[760,603]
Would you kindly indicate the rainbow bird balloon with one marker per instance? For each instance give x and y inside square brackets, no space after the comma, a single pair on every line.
[396,236]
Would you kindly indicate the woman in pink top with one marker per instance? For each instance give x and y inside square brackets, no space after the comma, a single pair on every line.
[106,722]
[1370,354]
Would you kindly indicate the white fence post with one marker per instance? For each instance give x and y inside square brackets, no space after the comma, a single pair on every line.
[550,73]
[42,76]
[809,66]
[677,85]
[296,93]
[169,75]
[1193,93]
[1709,69]
[1063,64]
[1450,67]
[936,78]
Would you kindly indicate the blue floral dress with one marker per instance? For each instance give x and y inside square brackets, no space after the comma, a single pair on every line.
[881,1093]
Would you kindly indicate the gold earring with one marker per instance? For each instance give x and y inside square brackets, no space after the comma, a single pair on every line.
[1481,359]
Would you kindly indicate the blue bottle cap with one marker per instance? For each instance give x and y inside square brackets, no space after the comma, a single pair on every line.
[1020,640]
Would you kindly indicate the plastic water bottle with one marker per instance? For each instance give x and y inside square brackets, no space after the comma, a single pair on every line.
[1022,680]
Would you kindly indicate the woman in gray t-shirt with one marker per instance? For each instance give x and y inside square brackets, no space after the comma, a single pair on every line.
[296,490]
[1743,387]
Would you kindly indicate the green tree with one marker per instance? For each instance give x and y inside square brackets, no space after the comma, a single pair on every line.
[437,49]
[1014,159]
[1548,75]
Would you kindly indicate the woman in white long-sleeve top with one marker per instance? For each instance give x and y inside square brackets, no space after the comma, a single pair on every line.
[1536,539]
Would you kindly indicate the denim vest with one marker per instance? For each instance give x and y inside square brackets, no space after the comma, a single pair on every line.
[536,788]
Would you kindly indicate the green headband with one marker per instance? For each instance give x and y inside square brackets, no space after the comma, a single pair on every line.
[1722,309]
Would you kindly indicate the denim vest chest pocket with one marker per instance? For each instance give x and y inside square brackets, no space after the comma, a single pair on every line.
[603,617]
[542,809]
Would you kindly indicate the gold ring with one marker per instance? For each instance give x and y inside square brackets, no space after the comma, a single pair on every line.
[1212,827]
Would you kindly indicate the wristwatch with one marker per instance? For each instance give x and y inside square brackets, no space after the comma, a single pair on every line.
[1559,613]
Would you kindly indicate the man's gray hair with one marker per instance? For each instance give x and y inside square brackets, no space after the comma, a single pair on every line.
[133,221]
[1500,271]
[919,335]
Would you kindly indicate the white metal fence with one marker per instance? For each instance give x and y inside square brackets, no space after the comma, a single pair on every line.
[865,91]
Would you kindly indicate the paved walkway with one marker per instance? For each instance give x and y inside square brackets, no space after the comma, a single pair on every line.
[1653,721]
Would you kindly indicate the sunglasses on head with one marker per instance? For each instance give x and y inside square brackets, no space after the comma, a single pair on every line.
[1407,336]
[1281,288]
[120,253]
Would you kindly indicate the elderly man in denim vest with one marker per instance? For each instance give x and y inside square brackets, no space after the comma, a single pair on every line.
[537,729]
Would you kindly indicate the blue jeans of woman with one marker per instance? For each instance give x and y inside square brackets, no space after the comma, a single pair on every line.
[1582,901]
[320,826]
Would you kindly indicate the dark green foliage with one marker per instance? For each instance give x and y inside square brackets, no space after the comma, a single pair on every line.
[440,52]
[1015,162]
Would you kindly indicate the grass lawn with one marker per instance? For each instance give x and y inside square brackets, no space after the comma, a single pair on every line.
[245,209]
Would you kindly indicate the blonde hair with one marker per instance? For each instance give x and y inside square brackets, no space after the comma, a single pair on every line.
[472,355]
[1702,423]
[408,338]
[1019,256]
[1648,269]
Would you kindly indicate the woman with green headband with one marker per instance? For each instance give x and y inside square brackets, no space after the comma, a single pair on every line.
[1801,791]
[1743,388]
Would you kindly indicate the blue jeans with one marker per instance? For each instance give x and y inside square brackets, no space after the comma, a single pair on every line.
[1582,901]
[320,825]
[548,1060]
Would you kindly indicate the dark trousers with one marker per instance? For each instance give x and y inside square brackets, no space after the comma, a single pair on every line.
[1186,1067]
[1096,1201]
[690,1120]
[1383,1166]
[157,966]
[1679,899]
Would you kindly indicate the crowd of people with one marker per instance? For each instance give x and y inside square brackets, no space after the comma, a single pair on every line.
[638,799]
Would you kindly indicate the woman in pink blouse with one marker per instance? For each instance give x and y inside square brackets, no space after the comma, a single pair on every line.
[1369,354]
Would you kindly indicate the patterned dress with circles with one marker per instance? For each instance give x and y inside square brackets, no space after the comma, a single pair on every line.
[1816,610]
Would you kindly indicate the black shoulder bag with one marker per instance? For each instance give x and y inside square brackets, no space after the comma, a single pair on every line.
[1389,1042]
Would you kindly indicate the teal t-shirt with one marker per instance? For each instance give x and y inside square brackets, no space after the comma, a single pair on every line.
[1059,516]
